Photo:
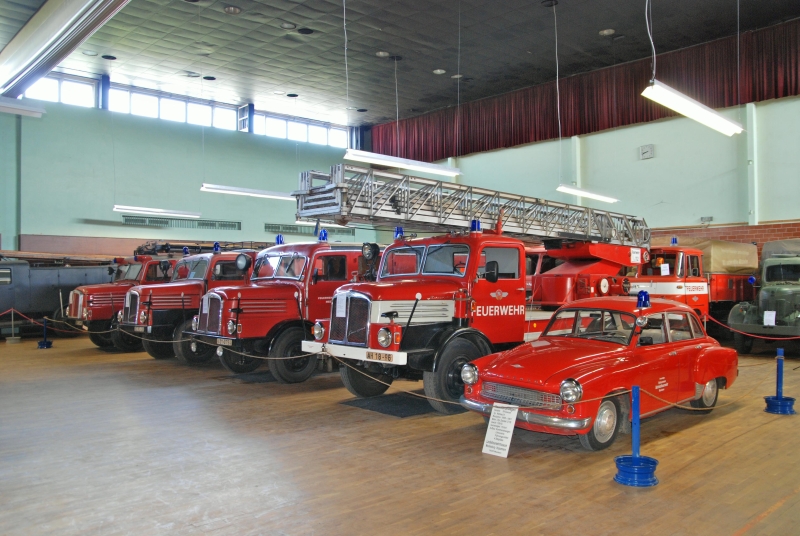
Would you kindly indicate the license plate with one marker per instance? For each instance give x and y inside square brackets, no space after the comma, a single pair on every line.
[224,342]
[138,329]
[379,356]
[79,322]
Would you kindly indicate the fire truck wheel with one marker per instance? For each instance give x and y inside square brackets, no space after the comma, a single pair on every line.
[288,344]
[742,343]
[238,363]
[101,340]
[124,342]
[358,381]
[605,426]
[445,384]
[158,349]
[183,347]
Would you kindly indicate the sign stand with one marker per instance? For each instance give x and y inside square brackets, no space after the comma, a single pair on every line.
[638,471]
[779,404]
[45,344]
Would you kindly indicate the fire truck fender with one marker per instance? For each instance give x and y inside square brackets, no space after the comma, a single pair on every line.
[279,328]
[473,335]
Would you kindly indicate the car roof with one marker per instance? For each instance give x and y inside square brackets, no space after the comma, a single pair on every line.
[628,304]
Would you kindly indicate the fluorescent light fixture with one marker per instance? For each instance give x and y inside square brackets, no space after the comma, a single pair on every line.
[677,101]
[402,163]
[580,192]
[156,212]
[14,106]
[321,224]
[234,190]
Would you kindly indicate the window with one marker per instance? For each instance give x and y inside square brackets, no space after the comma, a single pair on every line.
[297,131]
[337,138]
[548,263]
[275,127]
[144,105]
[198,114]
[119,101]
[224,118]
[128,272]
[697,328]
[530,264]
[77,93]
[693,263]
[227,271]
[331,268]
[258,125]
[507,261]
[265,267]
[154,273]
[45,89]
[664,264]
[318,135]
[679,327]
[653,331]
[402,260]
[173,110]
[192,269]
[446,259]
[5,276]
[291,266]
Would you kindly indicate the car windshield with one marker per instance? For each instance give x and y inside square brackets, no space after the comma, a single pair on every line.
[447,259]
[270,266]
[190,269]
[402,260]
[786,273]
[127,271]
[595,324]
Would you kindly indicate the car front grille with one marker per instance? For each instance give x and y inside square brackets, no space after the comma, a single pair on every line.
[75,304]
[210,314]
[131,309]
[518,396]
[354,326]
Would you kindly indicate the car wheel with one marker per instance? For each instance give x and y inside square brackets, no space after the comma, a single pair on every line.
[605,426]
[287,344]
[742,343]
[708,399]
[158,349]
[445,383]
[125,342]
[102,340]
[238,363]
[183,347]
[363,383]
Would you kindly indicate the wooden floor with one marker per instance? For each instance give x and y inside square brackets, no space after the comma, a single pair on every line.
[98,443]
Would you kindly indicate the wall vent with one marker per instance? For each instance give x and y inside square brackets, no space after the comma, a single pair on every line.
[180,223]
[308,230]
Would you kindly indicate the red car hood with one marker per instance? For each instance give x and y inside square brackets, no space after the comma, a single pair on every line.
[274,290]
[190,287]
[405,289]
[550,360]
[107,288]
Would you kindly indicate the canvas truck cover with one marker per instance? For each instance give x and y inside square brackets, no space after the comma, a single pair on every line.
[719,256]
[780,247]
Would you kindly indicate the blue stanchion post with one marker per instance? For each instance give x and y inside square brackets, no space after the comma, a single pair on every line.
[779,404]
[44,343]
[636,470]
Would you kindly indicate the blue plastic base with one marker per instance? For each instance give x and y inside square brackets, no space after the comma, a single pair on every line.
[43,345]
[780,406]
[638,472]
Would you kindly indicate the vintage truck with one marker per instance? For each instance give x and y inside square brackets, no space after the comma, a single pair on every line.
[160,314]
[291,285]
[776,311]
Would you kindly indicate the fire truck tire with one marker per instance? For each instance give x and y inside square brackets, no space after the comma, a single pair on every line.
[183,347]
[101,340]
[124,342]
[158,349]
[605,426]
[238,363]
[357,380]
[445,384]
[287,344]
[742,343]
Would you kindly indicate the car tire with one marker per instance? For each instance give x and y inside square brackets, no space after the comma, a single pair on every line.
[183,347]
[238,363]
[742,343]
[708,399]
[445,383]
[358,381]
[287,344]
[125,342]
[158,349]
[102,340]
[605,426]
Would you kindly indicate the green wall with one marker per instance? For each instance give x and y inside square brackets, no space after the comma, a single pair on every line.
[9,180]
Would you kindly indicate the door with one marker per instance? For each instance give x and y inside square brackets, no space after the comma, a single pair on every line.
[658,366]
[696,285]
[328,272]
[689,340]
[499,307]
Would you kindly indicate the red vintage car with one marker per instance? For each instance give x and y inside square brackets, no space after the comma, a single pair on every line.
[596,350]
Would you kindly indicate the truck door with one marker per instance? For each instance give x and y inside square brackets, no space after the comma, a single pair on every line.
[328,272]
[500,307]
[696,285]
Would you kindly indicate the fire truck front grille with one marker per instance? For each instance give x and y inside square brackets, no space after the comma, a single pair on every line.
[520,397]
[131,309]
[353,327]
[338,324]
[75,304]
[214,314]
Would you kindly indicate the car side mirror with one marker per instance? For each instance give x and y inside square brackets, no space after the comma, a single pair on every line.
[492,271]
[645,341]
[164,265]
[315,276]
[111,270]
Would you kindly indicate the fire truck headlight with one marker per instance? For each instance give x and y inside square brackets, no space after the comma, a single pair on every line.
[195,323]
[231,327]
[143,317]
[85,314]
[220,351]
[119,316]
[571,391]
[318,331]
[193,346]
[469,374]
[366,250]
[384,337]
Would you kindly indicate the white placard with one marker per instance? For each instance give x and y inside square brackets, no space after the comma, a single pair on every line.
[665,269]
[636,256]
[341,307]
[769,318]
[500,430]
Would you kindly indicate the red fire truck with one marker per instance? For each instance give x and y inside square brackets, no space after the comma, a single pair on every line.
[291,285]
[441,302]
[161,313]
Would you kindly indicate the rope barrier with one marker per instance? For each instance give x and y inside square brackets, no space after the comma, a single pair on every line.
[750,334]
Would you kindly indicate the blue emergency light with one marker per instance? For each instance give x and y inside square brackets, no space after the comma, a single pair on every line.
[751,280]
[398,233]
[674,241]
[185,250]
[323,235]
[135,258]
[475,226]
[279,241]
[216,247]
[643,299]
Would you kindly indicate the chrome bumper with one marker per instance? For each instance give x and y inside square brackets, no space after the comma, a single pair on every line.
[530,417]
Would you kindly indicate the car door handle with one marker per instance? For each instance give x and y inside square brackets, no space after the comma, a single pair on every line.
[673,353]
[699,346]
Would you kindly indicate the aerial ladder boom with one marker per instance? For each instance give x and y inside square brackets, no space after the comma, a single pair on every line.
[362,195]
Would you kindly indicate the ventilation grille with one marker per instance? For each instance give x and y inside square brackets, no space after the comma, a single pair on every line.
[306,229]
[179,223]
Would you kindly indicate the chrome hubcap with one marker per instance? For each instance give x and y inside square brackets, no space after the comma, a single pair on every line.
[606,421]
[710,392]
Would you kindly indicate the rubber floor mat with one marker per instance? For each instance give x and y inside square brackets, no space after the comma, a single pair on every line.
[395,405]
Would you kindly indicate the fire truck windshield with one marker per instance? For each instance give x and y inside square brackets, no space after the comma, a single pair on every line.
[664,264]
[195,269]
[288,266]
[403,260]
[127,271]
[788,273]
[595,324]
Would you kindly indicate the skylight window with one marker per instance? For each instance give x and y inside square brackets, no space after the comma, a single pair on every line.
[199,114]
[224,118]
[144,105]
[318,135]
[119,101]
[173,110]
[297,131]
[276,127]
[77,93]
[45,89]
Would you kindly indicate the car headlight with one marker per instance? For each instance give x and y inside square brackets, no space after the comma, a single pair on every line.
[86,314]
[195,323]
[143,317]
[318,331]
[119,316]
[469,374]
[384,337]
[231,327]
[571,391]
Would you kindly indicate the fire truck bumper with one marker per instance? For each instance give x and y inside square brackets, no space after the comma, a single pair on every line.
[357,353]
[134,329]
[77,323]
[227,342]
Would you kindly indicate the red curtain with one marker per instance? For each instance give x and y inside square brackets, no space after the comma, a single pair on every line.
[607,98]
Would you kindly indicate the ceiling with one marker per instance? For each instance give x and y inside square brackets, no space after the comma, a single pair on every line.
[503,46]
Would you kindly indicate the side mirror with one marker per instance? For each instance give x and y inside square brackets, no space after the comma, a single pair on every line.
[111,270]
[165,266]
[492,271]
[315,276]
[645,341]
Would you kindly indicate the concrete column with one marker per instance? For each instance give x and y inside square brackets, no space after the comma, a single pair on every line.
[752,165]
[105,86]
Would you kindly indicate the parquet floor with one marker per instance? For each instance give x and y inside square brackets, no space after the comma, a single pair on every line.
[98,443]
